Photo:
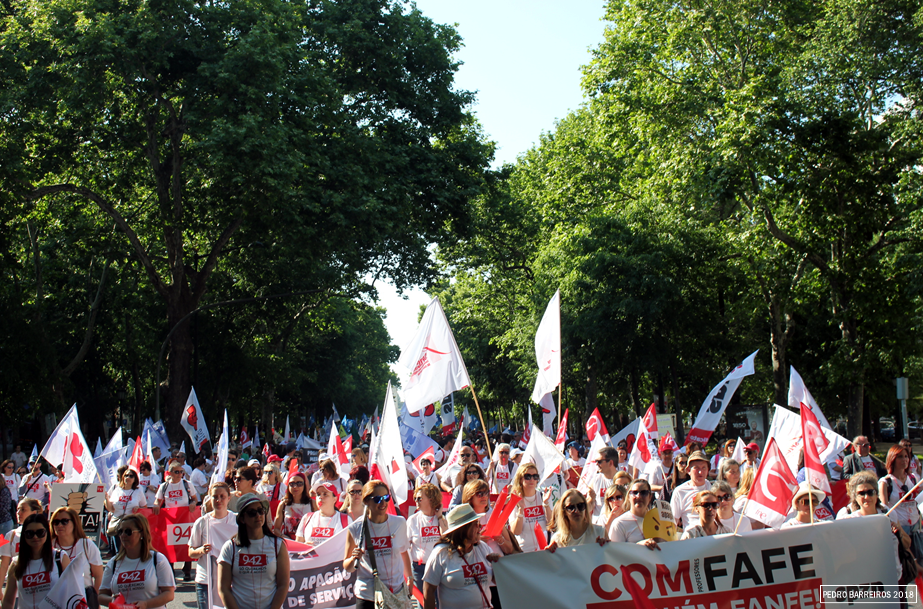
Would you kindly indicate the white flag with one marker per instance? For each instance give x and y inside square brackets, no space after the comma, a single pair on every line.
[548,349]
[182,447]
[99,448]
[288,431]
[68,446]
[433,361]
[452,465]
[644,454]
[194,423]
[222,461]
[770,498]
[68,592]
[714,405]
[388,459]
[739,454]
[336,415]
[798,394]
[527,432]
[115,442]
[591,469]
[548,414]
[786,430]
[543,453]
[629,433]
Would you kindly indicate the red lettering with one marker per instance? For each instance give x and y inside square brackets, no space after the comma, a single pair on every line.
[596,576]
[503,475]
[174,494]
[252,560]
[130,577]
[681,579]
[322,532]
[533,512]
[476,570]
[35,579]
[124,498]
[432,531]
[647,585]
[381,543]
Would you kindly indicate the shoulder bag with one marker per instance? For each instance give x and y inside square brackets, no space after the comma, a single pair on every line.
[384,598]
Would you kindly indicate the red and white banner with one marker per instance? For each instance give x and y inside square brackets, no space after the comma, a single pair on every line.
[548,414]
[430,454]
[527,432]
[595,425]
[713,407]
[336,452]
[317,578]
[194,423]
[137,457]
[629,433]
[68,592]
[765,569]
[170,530]
[68,446]
[814,444]
[770,497]
[798,394]
[433,361]
[386,454]
[561,440]
[548,349]
[786,430]
[644,453]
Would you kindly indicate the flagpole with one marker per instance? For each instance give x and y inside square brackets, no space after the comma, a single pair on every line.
[811,503]
[906,495]
[560,387]
[742,513]
[481,417]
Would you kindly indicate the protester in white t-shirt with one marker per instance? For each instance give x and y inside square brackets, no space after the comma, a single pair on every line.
[293,507]
[67,536]
[208,533]
[11,478]
[26,508]
[424,528]
[500,472]
[34,484]
[319,526]
[428,476]
[726,514]
[459,568]
[627,528]
[572,523]
[138,572]
[36,543]
[681,501]
[706,504]
[271,484]
[150,482]
[253,567]
[19,457]
[533,511]
[387,536]
[607,462]
[573,456]
[124,498]
[804,503]
[198,478]
[177,491]
[751,461]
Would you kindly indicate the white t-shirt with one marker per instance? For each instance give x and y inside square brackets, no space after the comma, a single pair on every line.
[600,484]
[867,462]
[592,533]
[291,518]
[696,530]
[253,570]
[745,465]
[12,483]
[269,490]
[389,540]
[138,580]
[316,528]
[681,502]
[626,528]
[19,459]
[422,533]
[533,513]
[907,513]
[11,550]
[576,463]
[746,526]
[35,583]
[458,578]
[199,482]
[150,484]
[83,546]
[124,501]
[175,495]
[197,540]
[35,488]
[433,478]
[502,476]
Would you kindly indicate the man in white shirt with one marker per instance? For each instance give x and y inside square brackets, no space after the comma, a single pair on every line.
[656,477]
[33,484]
[751,460]
[181,457]
[18,457]
[607,461]
[500,473]
[861,460]
[681,502]
[199,478]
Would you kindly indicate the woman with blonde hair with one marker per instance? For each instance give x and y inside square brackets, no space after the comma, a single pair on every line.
[358,457]
[468,473]
[729,471]
[271,484]
[614,502]
[67,535]
[122,499]
[533,511]
[706,504]
[627,527]
[424,528]
[141,574]
[295,506]
[200,538]
[328,472]
[352,503]
[477,495]
[746,483]
[571,523]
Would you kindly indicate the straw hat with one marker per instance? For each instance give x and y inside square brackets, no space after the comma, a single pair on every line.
[459,517]
[805,488]
[697,456]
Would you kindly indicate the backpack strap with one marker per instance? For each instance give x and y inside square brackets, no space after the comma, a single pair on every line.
[57,561]
[344,520]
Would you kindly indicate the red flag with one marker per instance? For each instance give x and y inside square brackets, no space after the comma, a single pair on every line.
[561,440]
[814,443]
[266,451]
[430,454]
[770,497]
[642,600]
[595,425]
[170,530]
[137,457]
[348,444]
[667,443]
[292,469]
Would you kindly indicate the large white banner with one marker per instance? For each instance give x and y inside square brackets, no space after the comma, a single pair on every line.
[761,569]
[318,579]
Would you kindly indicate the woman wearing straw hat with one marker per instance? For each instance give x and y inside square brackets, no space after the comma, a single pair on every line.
[459,567]
[805,502]
[253,567]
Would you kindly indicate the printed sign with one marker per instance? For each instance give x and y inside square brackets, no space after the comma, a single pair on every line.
[88,500]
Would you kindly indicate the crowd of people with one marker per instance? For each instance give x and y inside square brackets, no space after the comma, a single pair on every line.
[442,548]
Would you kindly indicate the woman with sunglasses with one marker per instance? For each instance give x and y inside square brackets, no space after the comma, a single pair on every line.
[271,485]
[200,538]
[294,506]
[143,576]
[253,567]
[328,472]
[245,481]
[804,502]
[894,486]
[469,473]
[67,536]
[12,479]
[571,523]
[706,505]
[680,472]
[124,498]
[458,569]
[424,528]
[477,495]
[386,535]
[627,527]
[149,482]
[864,501]
[319,526]
[26,508]
[614,502]
[352,503]
[36,561]
[534,509]
[726,513]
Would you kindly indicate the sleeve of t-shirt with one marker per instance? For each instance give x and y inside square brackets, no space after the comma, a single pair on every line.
[195,536]
[159,497]
[106,583]
[227,552]
[435,566]
[142,501]
[400,537]
[93,555]
[164,572]
[302,525]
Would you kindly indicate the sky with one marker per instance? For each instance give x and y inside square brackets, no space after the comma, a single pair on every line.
[523,60]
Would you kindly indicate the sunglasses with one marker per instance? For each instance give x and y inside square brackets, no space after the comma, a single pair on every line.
[683,463]
[467,455]
[61,522]
[531,477]
[356,492]
[724,497]
[575,508]
[473,472]
[29,534]
[481,494]
[868,493]
[504,452]
[268,471]
[130,476]
[863,444]
[709,505]
[254,512]
[639,493]
[126,532]
[616,498]
[598,461]
[296,483]
[177,471]
[379,499]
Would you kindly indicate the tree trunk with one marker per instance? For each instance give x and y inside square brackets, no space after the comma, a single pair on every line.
[179,360]
[680,431]
[592,401]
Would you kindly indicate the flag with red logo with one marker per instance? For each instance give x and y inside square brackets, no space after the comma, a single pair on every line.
[770,497]
[137,457]
[433,361]
[244,438]
[266,451]
[561,440]
[430,454]
[545,455]
[667,443]
[595,425]
[68,446]
[452,465]
[548,349]
[170,530]
[348,444]
[547,406]
[387,454]
[336,451]
[68,592]
[716,402]
[223,451]
[814,444]
[194,423]
[644,453]
[591,468]
[798,395]
[527,432]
